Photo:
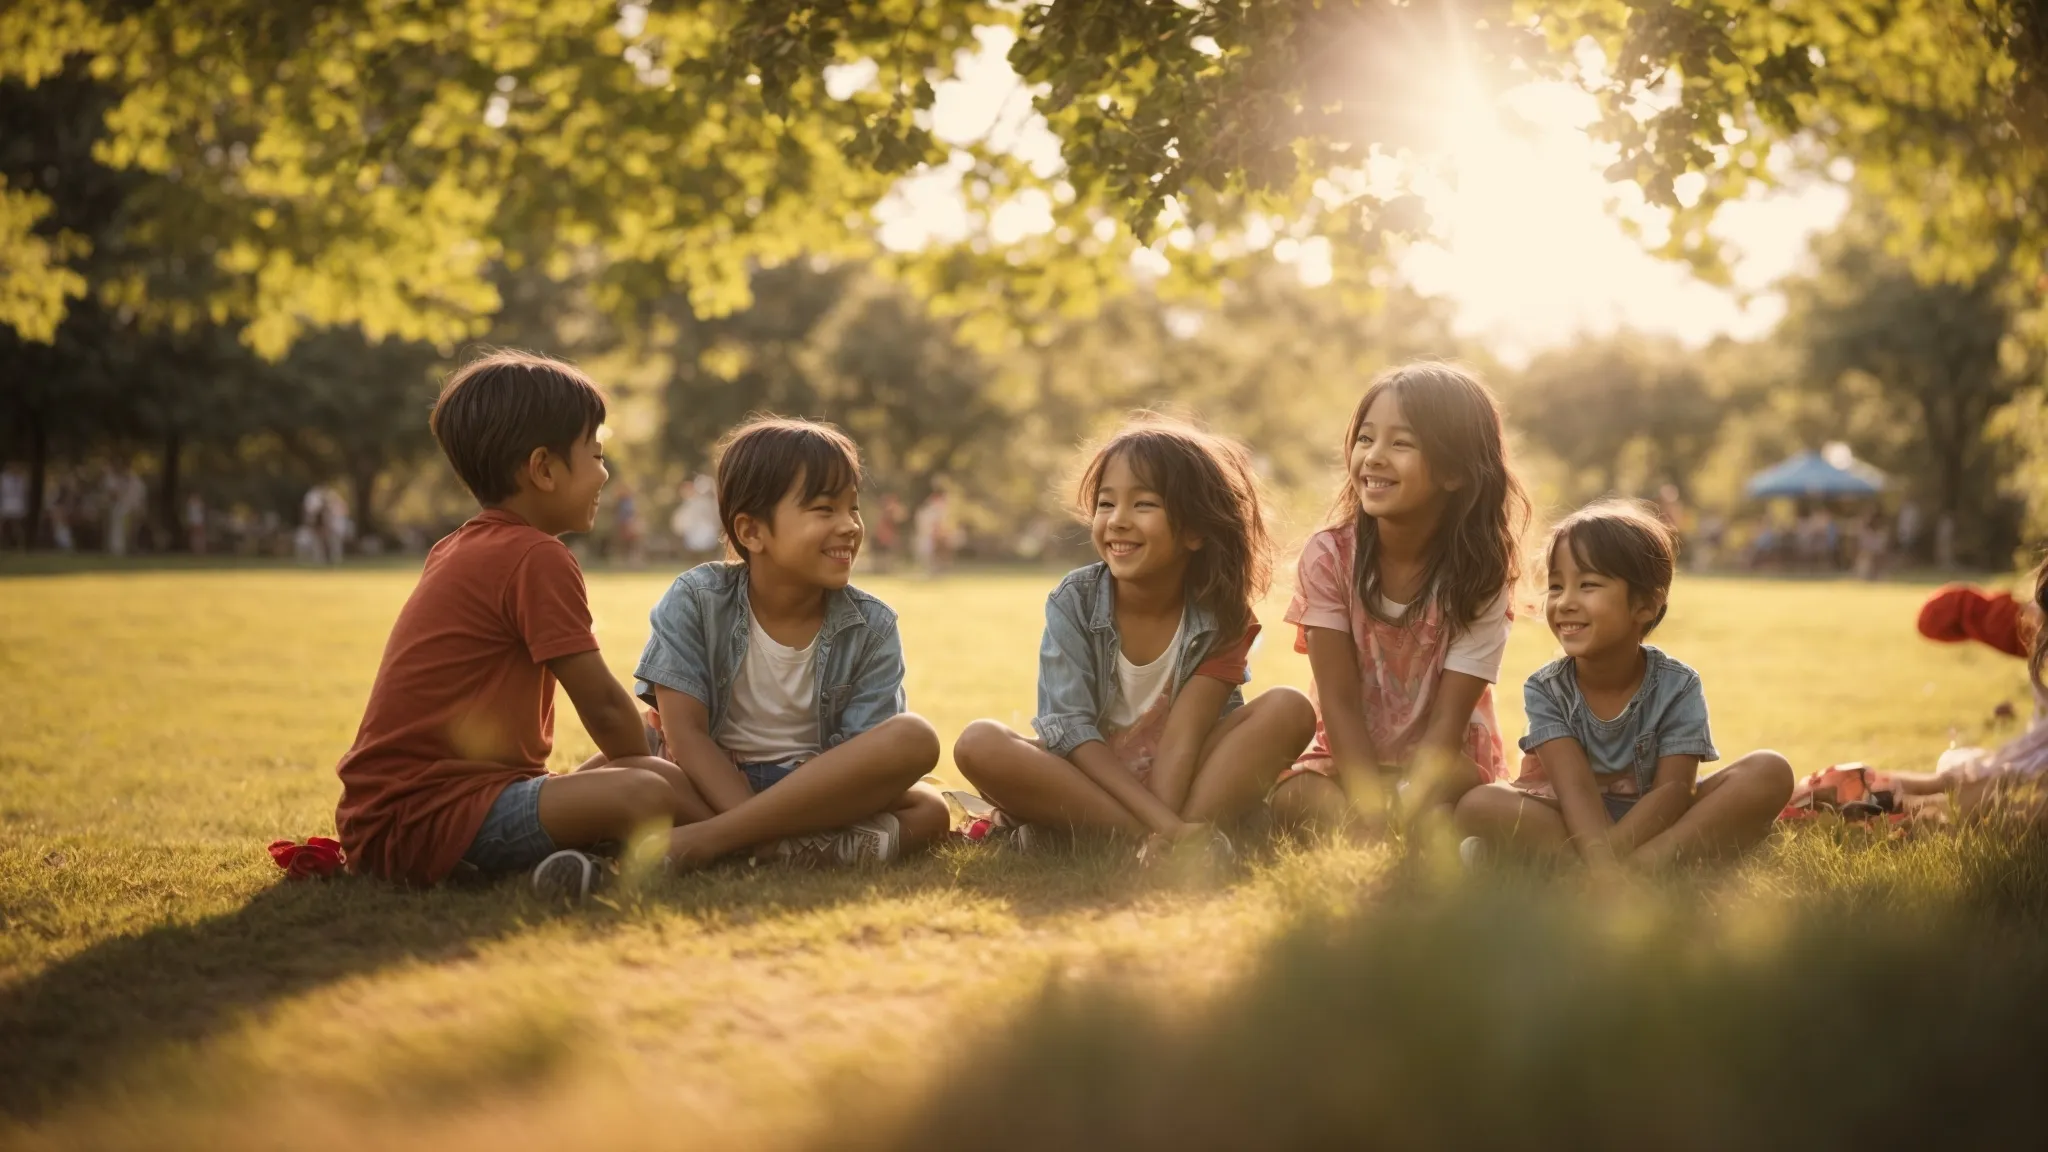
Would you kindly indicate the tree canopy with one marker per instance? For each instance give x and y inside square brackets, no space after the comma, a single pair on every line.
[374,161]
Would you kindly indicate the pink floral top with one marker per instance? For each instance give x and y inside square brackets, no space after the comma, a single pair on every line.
[1399,666]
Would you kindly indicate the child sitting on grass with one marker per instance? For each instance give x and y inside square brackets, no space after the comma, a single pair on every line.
[777,686]
[1617,729]
[449,769]
[1142,724]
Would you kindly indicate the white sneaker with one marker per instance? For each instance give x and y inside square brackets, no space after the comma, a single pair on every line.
[875,840]
[1471,852]
[568,875]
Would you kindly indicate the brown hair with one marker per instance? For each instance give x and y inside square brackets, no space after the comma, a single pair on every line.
[495,410]
[1623,540]
[762,459]
[1477,548]
[1210,489]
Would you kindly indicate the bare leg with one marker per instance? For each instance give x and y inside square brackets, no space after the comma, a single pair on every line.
[921,816]
[1246,752]
[633,797]
[1034,785]
[1731,812]
[867,774]
[1506,817]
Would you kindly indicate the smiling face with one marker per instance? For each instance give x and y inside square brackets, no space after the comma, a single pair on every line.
[1131,530]
[567,487]
[1591,613]
[814,541]
[1388,471]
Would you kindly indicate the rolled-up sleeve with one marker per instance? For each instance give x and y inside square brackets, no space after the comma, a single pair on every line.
[1322,589]
[1546,717]
[877,682]
[676,656]
[1066,680]
[1683,730]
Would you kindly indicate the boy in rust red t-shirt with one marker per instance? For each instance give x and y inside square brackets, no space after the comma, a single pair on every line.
[449,766]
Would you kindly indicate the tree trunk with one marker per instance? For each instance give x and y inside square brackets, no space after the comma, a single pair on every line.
[167,493]
[38,475]
[362,484]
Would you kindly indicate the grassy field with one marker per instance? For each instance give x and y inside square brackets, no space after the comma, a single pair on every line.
[159,986]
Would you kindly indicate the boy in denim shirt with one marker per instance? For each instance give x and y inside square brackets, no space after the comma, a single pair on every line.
[1618,729]
[778,687]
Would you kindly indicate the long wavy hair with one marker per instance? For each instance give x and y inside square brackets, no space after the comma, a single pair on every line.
[1211,490]
[1476,551]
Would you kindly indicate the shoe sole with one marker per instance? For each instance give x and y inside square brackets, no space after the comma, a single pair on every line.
[566,875]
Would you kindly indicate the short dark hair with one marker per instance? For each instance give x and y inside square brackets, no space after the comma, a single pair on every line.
[762,459]
[1623,540]
[495,410]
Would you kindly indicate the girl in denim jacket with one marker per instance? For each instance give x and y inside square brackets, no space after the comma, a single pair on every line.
[1142,724]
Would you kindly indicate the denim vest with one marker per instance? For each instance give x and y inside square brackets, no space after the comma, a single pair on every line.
[1077,680]
[698,640]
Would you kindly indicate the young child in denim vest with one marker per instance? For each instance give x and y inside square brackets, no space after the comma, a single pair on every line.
[1618,729]
[1403,606]
[449,769]
[778,686]
[1141,719]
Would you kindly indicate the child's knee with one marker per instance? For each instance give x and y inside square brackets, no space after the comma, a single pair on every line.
[912,737]
[1291,706]
[1767,775]
[978,745]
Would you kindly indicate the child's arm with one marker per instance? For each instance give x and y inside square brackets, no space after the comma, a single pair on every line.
[1439,774]
[1333,661]
[686,732]
[602,703]
[1669,796]
[1578,800]
[1099,764]
[1188,725]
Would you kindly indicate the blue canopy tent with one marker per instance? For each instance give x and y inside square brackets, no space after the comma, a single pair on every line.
[1810,474]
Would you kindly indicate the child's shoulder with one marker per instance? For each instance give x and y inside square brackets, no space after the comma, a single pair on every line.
[1557,673]
[1673,674]
[1086,578]
[874,611]
[492,544]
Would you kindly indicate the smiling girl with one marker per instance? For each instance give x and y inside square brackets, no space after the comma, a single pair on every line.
[1142,723]
[1618,729]
[1402,603]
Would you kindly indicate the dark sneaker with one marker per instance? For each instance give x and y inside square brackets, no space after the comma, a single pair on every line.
[569,875]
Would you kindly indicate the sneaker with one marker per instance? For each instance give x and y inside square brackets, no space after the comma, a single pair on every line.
[569,875]
[1471,852]
[875,840]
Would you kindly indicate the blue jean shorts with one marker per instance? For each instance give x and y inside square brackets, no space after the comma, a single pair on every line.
[511,838]
[762,777]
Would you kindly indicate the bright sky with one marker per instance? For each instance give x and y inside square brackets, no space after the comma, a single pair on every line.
[1531,254]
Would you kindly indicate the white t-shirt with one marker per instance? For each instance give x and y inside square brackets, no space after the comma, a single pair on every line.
[1478,649]
[773,715]
[1143,684]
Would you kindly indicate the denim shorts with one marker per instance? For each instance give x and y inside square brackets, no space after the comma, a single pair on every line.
[762,777]
[511,839]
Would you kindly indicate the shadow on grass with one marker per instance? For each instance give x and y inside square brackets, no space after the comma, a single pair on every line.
[122,1003]
[1506,1011]
[118,1002]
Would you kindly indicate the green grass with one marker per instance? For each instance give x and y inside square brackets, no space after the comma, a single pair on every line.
[159,985]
